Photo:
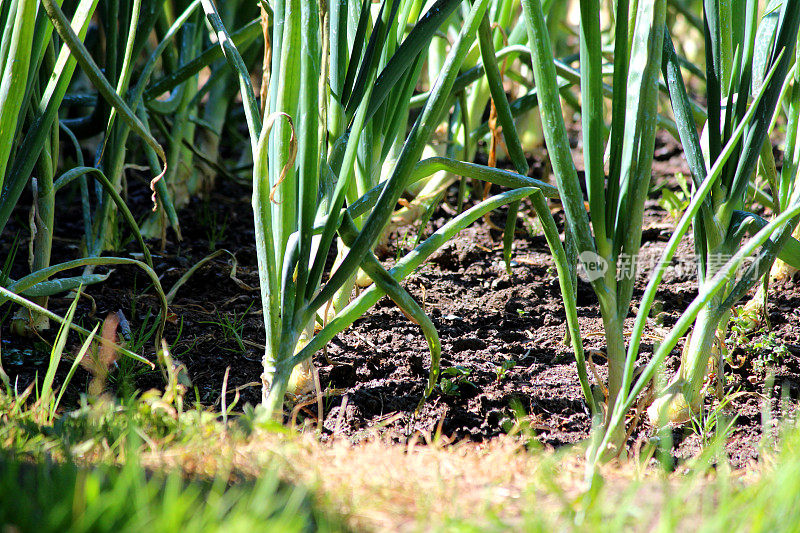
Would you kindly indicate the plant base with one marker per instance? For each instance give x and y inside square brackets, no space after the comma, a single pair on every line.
[672,406]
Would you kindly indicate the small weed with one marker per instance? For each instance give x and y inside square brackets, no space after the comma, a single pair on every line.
[502,369]
[404,244]
[675,203]
[453,378]
[714,425]
[178,336]
[519,422]
[232,326]
[216,225]
[532,226]
[426,217]
[769,351]
[762,348]
[128,370]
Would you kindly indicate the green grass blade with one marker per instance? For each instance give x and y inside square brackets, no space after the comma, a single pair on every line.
[75,364]
[56,352]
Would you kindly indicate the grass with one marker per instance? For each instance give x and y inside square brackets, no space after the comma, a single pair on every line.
[67,497]
[109,466]
[232,327]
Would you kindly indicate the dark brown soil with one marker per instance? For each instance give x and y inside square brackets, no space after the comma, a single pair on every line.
[502,333]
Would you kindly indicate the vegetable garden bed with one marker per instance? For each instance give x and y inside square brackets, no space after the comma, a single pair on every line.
[505,364]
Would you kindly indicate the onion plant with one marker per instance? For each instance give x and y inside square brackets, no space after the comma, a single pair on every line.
[46,128]
[329,86]
[41,49]
[28,108]
[40,113]
[608,239]
[737,68]
[30,125]
[193,115]
[468,125]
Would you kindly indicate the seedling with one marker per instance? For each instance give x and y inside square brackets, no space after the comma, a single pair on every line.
[714,425]
[232,326]
[216,225]
[452,378]
[502,369]
[761,347]
[675,202]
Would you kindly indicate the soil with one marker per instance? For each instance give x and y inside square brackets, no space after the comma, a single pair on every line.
[504,357]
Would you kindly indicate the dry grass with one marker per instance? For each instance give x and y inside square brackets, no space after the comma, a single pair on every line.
[400,488]
[378,485]
[383,486]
